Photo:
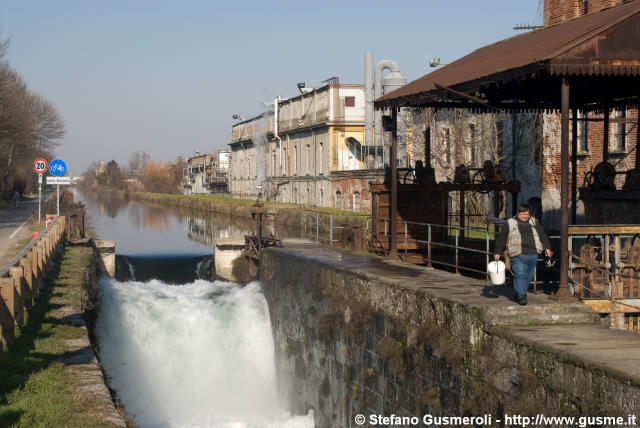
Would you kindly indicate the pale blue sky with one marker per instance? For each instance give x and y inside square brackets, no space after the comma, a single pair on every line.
[166,76]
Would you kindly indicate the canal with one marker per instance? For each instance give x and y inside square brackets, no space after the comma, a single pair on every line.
[179,348]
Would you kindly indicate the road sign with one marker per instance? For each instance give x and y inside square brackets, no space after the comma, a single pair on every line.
[58,180]
[57,167]
[39,165]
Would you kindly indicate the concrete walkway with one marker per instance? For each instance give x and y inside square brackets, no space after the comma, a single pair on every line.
[570,329]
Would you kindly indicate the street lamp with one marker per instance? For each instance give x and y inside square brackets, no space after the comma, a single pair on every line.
[435,62]
[238,117]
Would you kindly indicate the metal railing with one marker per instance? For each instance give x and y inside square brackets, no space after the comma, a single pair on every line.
[452,231]
[321,227]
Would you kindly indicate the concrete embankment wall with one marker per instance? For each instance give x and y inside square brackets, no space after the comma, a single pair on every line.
[348,343]
[287,215]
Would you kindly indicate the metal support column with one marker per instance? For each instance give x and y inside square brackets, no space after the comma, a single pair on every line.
[605,144]
[393,148]
[574,164]
[637,165]
[563,291]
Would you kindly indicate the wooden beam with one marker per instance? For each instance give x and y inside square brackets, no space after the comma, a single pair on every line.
[609,229]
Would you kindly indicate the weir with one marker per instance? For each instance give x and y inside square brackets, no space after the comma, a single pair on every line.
[355,334]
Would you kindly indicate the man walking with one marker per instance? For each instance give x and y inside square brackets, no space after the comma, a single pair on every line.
[16,197]
[524,238]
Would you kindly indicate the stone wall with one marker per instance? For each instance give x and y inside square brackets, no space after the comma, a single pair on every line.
[348,343]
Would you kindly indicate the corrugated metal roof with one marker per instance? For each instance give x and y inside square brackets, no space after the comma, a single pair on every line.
[544,49]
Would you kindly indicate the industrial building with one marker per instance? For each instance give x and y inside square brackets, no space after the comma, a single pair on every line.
[206,173]
[318,148]
[294,152]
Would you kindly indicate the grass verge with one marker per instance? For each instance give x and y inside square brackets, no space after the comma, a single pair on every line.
[35,386]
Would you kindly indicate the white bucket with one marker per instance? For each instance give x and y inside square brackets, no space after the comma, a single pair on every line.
[496,272]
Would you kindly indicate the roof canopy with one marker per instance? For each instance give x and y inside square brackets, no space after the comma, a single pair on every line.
[600,53]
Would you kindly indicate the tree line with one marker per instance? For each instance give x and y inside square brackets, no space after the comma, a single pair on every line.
[30,127]
[141,174]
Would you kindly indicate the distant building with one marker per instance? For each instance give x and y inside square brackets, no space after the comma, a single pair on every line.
[206,173]
[310,151]
[101,168]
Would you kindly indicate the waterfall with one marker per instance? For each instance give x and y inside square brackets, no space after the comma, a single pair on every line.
[194,355]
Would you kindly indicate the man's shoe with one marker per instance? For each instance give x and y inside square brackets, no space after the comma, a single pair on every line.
[522,300]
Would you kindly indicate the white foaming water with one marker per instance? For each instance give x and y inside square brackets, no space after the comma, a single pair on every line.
[194,355]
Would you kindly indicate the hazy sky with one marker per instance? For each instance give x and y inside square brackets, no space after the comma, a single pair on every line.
[166,76]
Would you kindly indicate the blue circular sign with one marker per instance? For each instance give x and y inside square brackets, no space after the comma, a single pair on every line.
[57,167]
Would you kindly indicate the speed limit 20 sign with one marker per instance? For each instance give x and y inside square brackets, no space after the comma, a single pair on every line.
[39,165]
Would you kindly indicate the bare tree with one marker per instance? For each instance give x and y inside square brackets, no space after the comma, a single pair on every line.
[29,124]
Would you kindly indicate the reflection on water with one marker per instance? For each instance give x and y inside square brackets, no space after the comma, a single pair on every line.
[149,229]
[154,242]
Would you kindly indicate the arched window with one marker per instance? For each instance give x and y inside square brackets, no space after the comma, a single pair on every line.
[356,201]
[338,200]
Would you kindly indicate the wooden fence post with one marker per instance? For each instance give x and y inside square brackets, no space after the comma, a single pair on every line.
[17,273]
[7,310]
[33,259]
[25,263]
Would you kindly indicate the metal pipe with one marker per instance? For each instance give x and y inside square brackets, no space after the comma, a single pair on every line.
[457,234]
[429,248]
[563,291]
[368,100]
[405,237]
[275,129]
[331,229]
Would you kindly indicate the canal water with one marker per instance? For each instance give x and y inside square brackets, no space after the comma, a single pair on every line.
[180,349]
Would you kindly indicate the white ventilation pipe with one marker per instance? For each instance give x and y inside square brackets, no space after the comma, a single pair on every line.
[392,81]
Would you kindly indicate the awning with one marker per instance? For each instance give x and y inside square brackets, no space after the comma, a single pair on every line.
[600,52]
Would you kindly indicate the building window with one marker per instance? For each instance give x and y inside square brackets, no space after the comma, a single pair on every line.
[472,144]
[620,131]
[338,200]
[273,167]
[320,165]
[583,132]
[295,160]
[349,101]
[447,146]
[499,141]
[285,160]
[356,201]
[321,198]
[308,159]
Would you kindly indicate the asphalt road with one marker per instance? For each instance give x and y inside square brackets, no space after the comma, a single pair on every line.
[12,225]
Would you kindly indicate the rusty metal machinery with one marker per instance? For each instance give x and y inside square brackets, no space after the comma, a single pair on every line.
[488,174]
[418,175]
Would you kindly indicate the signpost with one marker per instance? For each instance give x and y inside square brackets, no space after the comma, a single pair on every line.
[57,168]
[40,166]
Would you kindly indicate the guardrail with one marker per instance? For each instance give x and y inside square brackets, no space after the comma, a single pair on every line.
[21,278]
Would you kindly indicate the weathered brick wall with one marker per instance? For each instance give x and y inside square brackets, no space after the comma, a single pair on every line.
[586,162]
[557,11]
[350,182]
